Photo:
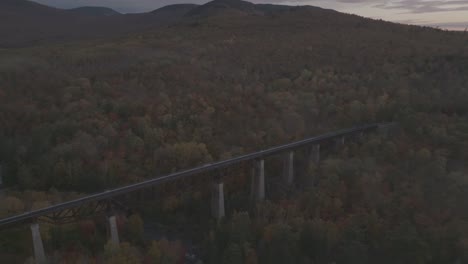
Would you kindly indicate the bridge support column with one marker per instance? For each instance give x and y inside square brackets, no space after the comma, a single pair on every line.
[1,175]
[361,136]
[313,157]
[39,254]
[315,154]
[288,168]
[383,130]
[1,180]
[217,201]
[258,181]
[114,232]
[339,142]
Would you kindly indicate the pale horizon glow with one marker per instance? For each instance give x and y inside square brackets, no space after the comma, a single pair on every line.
[447,14]
[452,20]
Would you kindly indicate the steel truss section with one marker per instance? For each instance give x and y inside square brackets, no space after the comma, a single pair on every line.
[83,211]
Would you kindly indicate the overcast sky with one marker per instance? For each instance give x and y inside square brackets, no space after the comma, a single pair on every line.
[451,14]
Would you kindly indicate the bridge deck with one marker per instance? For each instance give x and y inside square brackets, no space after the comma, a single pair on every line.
[30,216]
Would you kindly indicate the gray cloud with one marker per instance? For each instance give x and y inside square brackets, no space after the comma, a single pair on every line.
[413,6]
[449,25]
[452,26]
[421,6]
[388,8]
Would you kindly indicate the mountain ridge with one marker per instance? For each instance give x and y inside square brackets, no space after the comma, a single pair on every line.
[26,23]
[94,11]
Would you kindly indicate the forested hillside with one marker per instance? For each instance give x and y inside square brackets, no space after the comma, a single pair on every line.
[90,115]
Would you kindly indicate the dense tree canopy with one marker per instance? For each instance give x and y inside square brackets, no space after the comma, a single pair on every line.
[91,115]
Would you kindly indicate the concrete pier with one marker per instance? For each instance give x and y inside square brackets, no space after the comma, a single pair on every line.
[114,232]
[388,129]
[1,176]
[258,180]
[339,142]
[39,254]
[315,154]
[314,157]
[217,201]
[384,130]
[1,181]
[361,136]
[288,168]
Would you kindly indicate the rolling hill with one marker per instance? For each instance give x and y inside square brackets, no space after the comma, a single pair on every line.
[237,7]
[26,23]
[94,11]
[217,7]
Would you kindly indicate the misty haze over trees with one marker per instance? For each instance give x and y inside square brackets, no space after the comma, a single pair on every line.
[91,99]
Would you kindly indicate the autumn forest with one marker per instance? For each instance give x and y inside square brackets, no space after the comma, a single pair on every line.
[82,115]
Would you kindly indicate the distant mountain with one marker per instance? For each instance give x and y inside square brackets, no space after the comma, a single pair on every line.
[177,8]
[94,11]
[217,7]
[269,8]
[22,22]
[22,8]
[173,12]
[26,23]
